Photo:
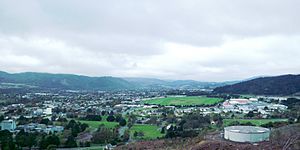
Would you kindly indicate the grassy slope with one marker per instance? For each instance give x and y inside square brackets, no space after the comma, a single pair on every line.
[190,100]
[256,122]
[150,131]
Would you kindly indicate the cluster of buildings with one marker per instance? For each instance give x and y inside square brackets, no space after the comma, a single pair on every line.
[35,127]
[251,104]
[11,126]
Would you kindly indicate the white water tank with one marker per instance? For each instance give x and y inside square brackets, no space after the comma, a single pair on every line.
[246,134]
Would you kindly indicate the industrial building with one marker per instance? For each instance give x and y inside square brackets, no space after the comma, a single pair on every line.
[9,125]
[246,134]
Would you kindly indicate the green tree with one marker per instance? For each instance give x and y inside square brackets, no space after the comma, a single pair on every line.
[71,142]
[6,140]
[110,118]
[122,122]
[24,139]
[49,140]
[250,114]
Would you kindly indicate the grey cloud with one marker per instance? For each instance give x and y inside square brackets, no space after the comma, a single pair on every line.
[129,38]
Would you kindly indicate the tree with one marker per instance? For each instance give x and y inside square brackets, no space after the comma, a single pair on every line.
[110,118]
[49,140]
[22,120]
[51,147]
[83,127]
[103,113]
[122,122]
[163,130]
[1,118]
[118,117]
[24,139]
[135,134]
[45,121]
[250,114]
[6,140]
[71,142]
[71,124]
[104,135]
[75,130]
[93,117]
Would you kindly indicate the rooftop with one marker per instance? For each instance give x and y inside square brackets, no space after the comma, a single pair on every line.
[247,129]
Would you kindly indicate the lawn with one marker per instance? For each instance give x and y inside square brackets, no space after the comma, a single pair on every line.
[256,122]
[95,124]
[150,131]
[189,100]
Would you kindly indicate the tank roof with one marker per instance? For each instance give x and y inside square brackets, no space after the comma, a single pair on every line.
[247,129]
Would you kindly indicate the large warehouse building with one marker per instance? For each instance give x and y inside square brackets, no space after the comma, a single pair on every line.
[246,134]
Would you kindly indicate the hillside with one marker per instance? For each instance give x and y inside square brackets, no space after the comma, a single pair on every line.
[77,82]
[65,81]
[175,84]
[278,85]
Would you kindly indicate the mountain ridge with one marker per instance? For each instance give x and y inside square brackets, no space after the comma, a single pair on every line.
[82,82]
[276,85]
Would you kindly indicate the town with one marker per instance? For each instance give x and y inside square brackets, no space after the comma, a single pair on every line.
[107,119]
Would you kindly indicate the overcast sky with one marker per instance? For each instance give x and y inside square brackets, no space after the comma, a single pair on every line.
[212,40]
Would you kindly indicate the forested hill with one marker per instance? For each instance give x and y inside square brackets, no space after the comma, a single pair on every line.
[65,81]
[77,82]
[278,85]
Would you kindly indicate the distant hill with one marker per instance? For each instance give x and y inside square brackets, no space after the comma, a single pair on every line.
[77,82]
[278,85]
[175,84]
[65,81]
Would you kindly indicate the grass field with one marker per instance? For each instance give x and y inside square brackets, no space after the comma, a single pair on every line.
[189,100]
[95,124]
[150,131]
[256,122]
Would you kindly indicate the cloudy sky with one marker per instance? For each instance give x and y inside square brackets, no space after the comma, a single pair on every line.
[212,40]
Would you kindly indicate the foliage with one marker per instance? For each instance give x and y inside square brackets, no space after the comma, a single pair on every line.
[104,135]
[93,118]
[6,140]
[49,140]
[71,142]
[76,127]
[250,114]
[110,118]
[194,121]
[24,139]
[122,122]
[45,121]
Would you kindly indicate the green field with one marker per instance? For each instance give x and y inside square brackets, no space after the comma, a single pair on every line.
[256,122]
[150,131]
[189,100]
[95,124]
